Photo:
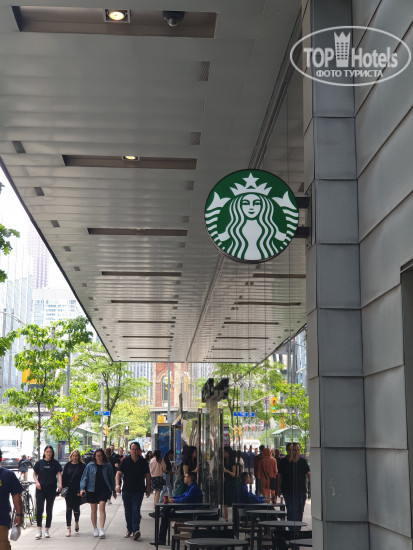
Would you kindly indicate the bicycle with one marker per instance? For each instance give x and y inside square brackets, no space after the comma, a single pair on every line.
[28,510]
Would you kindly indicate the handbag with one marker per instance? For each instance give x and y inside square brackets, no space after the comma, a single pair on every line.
[83,499]
[65,491]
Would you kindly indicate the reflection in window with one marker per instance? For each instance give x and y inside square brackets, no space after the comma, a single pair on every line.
[164,389]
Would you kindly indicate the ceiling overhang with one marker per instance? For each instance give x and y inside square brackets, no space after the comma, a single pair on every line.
[128,233]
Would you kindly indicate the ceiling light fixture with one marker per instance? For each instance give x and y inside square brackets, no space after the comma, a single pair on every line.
[117,16]
[130,157]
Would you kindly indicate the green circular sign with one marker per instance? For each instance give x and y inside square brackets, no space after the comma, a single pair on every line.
[251,215]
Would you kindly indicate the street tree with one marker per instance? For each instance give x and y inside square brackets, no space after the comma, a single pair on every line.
[93,363]
[294,412]
[259,381]
[72,411]
[131,413]
[42,364]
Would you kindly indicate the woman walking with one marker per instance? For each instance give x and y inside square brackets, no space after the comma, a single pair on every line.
[167,475]
[47,475]
[98,483]
[72,474]
[24,465]
[157,468]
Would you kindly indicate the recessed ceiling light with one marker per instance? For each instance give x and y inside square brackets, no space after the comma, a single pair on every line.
[130,157]
[117,15]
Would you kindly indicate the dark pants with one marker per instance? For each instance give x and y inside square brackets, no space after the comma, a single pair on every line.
[46,494]
[166,514]
[132,503]
[72,506]
[295,508]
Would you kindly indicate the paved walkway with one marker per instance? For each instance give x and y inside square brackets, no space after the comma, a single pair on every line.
[114,528]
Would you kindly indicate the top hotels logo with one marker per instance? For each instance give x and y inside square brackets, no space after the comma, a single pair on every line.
[328,56]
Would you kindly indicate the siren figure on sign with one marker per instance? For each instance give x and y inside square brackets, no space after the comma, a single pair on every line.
[252,221]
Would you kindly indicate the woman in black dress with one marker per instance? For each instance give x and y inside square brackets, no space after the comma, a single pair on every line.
[47,475]
[72,474]
[98,483]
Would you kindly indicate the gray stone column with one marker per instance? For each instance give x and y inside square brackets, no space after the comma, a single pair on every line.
[335,370]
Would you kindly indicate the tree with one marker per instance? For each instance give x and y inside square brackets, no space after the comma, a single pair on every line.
[295,413]
[43,364]
[265,380]
[131,413]
[5,245]
[94,364]
[73,411]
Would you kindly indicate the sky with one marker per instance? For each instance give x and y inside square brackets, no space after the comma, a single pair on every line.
[13,216]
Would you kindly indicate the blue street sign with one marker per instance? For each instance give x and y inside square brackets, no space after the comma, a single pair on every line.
[243,414]
[103,413]
[97,413]
[252,415]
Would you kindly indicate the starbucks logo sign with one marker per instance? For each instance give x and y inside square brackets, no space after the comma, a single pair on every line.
[251,215]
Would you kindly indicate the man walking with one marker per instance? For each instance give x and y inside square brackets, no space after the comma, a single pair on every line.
[136,482]
[9,485]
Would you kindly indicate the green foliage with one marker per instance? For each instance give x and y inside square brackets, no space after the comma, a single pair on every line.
[73,410]
[296,413]
[45,358]
[5,246]
[94,364]
[266,380]
[131,413]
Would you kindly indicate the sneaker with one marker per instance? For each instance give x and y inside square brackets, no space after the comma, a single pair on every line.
[127,535]
[38,535]
[95,532]
[136,535]
[46,534]
[102,533]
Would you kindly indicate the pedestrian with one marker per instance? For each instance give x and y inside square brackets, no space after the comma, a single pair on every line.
[9,486]
[292,480]
[24,465]
[72,474]
[257,460]
[188,465]
[47,475]
[230,472]
[168,474]
[157,468]
[136,482]
[267,473]
[193,495]
[98,483]
[149,456]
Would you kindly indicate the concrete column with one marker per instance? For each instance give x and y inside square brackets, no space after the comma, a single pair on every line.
[335,369]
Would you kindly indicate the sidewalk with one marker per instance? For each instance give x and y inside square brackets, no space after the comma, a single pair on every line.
[115,529]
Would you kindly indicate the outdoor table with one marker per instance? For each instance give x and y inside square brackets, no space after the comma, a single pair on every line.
[301,542]
[277,524]
[216,543]
[259,514]
[197,512]
[208,523]
[159,505]
[237,506]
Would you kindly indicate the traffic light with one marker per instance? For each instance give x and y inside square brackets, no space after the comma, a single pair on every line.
[273,404]
[105,429]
